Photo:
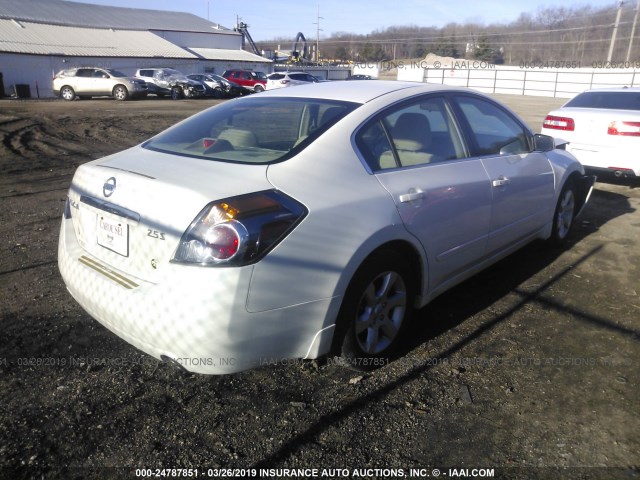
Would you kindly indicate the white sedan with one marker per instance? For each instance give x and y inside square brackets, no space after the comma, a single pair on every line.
[603,129]
[304,221]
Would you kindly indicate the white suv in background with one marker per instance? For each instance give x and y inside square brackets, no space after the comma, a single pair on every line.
[289,79]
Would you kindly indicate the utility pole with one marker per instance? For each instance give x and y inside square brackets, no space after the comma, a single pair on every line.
[633,31]
[318,30]
[615,31]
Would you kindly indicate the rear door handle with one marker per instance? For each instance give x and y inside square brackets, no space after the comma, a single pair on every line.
[501,181]
[411,196]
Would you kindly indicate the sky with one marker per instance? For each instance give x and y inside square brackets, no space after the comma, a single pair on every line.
[269,19]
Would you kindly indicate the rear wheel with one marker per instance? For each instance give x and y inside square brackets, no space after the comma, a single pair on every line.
[564,215]
[376,310]
[67,93]
[217,92]
[120,92]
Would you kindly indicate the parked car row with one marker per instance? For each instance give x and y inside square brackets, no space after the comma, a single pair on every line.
[87,82]
[218,86]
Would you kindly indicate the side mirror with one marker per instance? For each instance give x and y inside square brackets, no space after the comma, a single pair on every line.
[543,143]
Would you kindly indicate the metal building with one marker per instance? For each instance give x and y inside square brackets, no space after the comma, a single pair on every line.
[41,37]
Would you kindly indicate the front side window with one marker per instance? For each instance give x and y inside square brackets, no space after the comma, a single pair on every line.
[418,133]
[494,131]
[254,130]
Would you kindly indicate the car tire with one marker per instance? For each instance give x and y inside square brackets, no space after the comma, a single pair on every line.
[67,93]
[176,93]
[120,92]
[376,309]
[217,92]
[258,88]
[564,215]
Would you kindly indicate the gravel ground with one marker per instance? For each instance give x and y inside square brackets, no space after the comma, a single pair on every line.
[529,369]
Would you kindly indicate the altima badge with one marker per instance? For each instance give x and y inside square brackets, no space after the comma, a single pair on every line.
[109,187]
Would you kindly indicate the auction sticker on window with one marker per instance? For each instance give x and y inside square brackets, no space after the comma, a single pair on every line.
[113,234]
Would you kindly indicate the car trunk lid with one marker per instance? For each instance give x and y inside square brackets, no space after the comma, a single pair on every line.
[130,210]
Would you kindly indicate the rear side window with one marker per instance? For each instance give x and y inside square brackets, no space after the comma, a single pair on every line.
[85,72]
[611,100]
[417,133]
[252,130]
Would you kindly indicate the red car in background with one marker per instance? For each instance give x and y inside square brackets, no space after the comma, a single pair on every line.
[254,81]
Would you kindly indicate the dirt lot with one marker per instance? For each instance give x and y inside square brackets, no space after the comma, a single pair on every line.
[530,368]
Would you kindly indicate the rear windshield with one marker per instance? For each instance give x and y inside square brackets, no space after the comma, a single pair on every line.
[252,130]
[613,100]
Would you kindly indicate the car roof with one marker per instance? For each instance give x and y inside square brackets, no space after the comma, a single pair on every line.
[361,91]
[613,89]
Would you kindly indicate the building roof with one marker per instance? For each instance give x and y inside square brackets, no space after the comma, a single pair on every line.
[41,39]
[227,54]
[61,12]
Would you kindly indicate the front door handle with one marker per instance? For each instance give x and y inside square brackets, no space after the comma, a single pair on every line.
[501,181]
[413,195]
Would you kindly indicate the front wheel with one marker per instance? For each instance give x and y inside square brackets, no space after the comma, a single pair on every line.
[564,215]
[376,310]
[120,92]
[176,93]
[258,88]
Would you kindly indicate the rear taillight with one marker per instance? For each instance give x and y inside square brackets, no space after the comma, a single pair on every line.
[628,129]
[284,81]
[239,230]
[559,123]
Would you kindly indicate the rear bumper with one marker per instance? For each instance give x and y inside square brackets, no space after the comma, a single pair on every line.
[194,316]
[623,160]
[617,172]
